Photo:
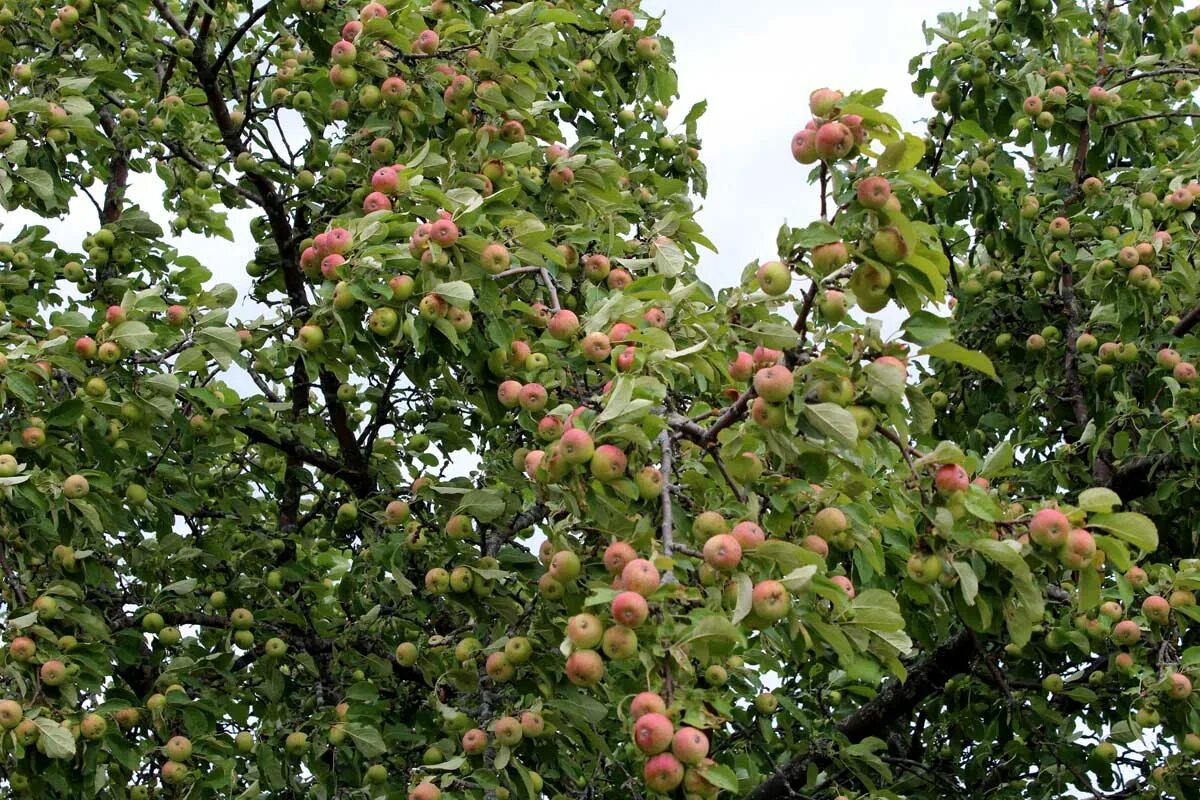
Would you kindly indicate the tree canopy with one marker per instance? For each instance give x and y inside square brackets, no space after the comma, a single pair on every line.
[497,499]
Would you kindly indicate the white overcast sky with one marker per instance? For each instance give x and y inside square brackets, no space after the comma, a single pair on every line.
[755,61]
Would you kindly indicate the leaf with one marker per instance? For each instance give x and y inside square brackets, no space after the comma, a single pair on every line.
[999,461]
[712,627]
[186,586]
[483,505]
[745,598]
[367,739]
[449,765]
[622,394]
[819,232]
[720,776]
[56,740]
[968,580]
[456,293]
[133,335]
[799,578]
[834,421]
[1134,528]
[926,329]
[1099,499]
[950,351]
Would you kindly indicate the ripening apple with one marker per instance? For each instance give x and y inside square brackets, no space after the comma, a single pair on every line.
[1078,550]
[748,534]
[889,245]
[689,745]
[630,608]
[834,140]
[641,576]
[823,102]
[608,463]
[649,482]
[774,384]
[178,749]
[533,397]
[1156,609]
[652,732]
[474,742]
[833,305]
[663,773]
[499,668]
[22,649]
[771,600]
[722,552]
[508,731]
[845,585]
[774,278]
[619,643]
[646,703]
[924,569]
[437,580]
[874,192]
[532,724]
[951,478]
[1049,528]
[596,346]
[585,668]
[617,555]
[829,522]
[509,393]
[1179,686]
[564,324]
[828,257]
[1126,633]
[1137,577]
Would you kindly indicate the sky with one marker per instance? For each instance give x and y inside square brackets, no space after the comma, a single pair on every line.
[755,66]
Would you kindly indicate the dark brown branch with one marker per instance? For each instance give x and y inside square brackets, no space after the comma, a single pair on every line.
[306,455]
[895,701]
[1189,321]
[241,31]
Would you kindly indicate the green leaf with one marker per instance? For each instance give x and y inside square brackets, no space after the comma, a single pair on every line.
[720,776]
[1099,499]
[833,421]
[133,335]
[56,740]
[926,329]
[367,739]
[456,293]
[745,598]
[712,627]
[999,461]
[1134,528]
[950,351]
[483,505]
[967,580]
[819,232]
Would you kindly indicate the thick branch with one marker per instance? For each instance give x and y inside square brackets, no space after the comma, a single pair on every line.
[893,703]
[1189,321]
[306,455]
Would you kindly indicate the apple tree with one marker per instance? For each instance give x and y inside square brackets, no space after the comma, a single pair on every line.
[481,493]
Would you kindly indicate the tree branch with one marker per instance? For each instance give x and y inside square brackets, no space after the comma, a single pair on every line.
[895,702]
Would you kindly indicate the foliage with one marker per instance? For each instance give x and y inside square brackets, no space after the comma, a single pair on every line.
[499,499]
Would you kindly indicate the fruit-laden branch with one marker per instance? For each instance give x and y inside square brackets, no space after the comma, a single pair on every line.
[894,702]
[306,455]
[1189,321]
[241,31]
[118,171]
[498,537]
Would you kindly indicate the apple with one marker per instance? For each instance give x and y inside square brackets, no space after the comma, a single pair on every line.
[833,140]
[829,522]
[11,714]
[845,585]
[874,192]
[950,478]
[1156,609]
[748,534]
[1126,633]
[474,742]
[774,384]
[21,649]
[564,324]
[770,600]
[585,631]
[1049,528]
[663,773]
[533,397]
[630,609]
[310,337]
[608,463]
[499,668]
[831,256]
[621,19]
[178,749]
[1078,550]
[585,668]
[889,245]
[723,552]
[641,576]
[689,745]
[652,732]
[1179,686]
[774,278]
